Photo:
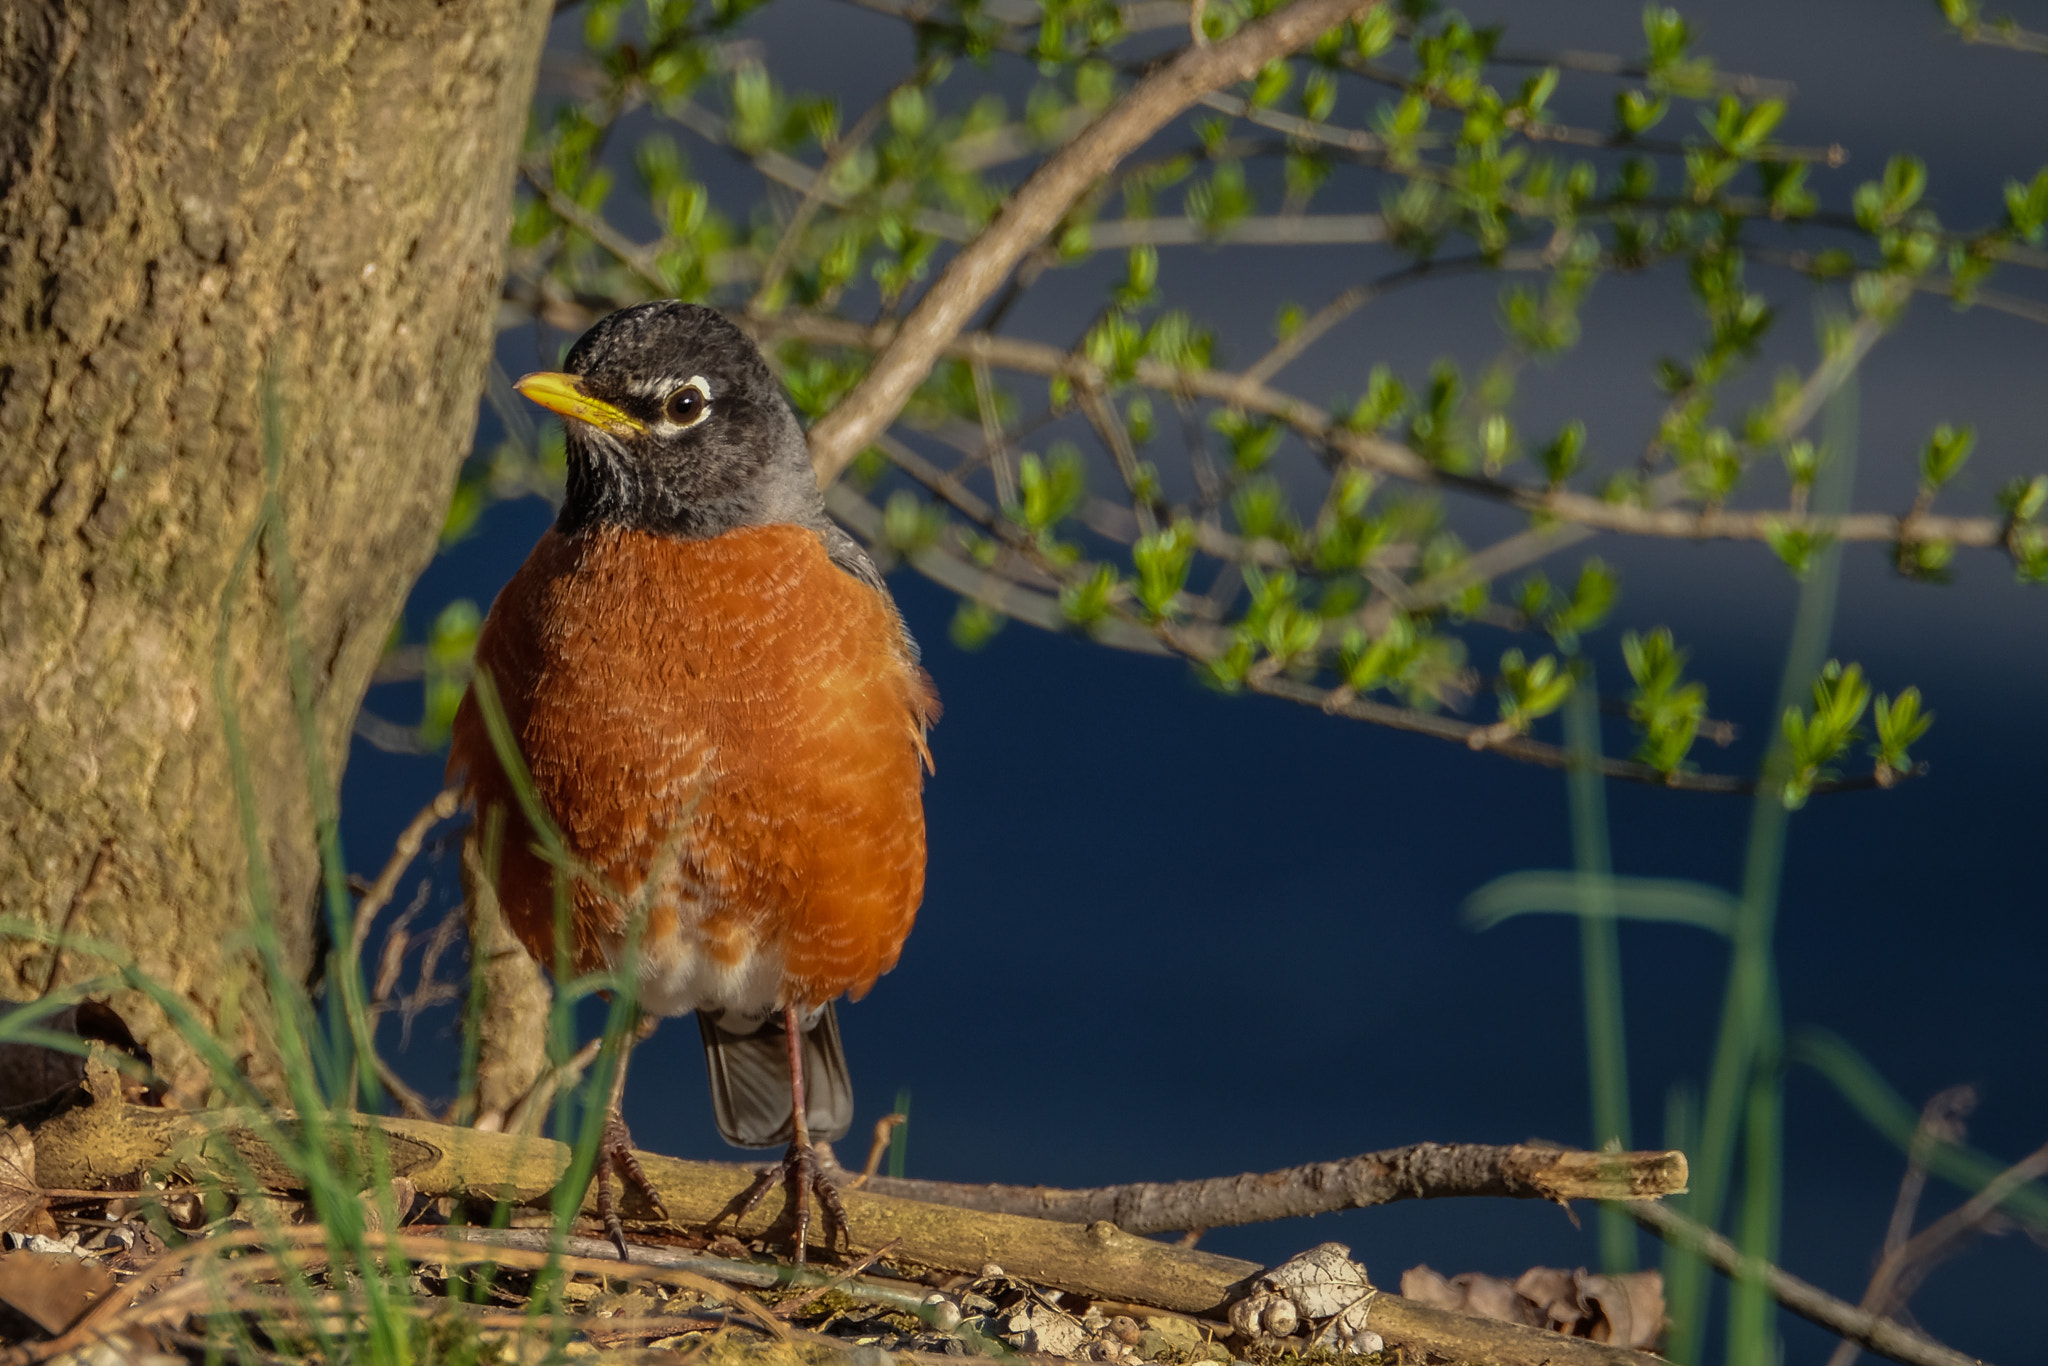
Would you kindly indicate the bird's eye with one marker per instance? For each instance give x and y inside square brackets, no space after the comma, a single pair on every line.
[690,404]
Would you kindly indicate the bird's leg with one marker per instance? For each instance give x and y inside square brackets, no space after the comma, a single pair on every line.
[800,1166]
[615,1147]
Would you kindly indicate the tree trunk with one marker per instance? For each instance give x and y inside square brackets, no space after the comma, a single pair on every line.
[190,191]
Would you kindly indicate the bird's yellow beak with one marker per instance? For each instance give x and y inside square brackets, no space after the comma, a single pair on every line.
[564,394]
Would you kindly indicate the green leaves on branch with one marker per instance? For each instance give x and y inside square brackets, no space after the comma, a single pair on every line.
[1742,130]
[1263,513]
[1561,456]
[1882,203]
[1796,544]
[1945,454]
[1815,739]
[909,523]
[1900,722]
[1530,691]
[1253,438]
[1221,200]
[1383,402]
[2026,206]
[1672,67]
[2023,499]
[1638,111]
[1085,603]
[449,653]
[1406,658]
[1049,489]
[1665,707]
[1591,600]
[974,624]
[1162,560]
[1740,135]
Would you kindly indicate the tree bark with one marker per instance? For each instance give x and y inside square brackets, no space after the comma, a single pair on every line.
[190,191]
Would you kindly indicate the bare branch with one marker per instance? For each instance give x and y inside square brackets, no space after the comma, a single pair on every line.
[1420,1171]
[403,851]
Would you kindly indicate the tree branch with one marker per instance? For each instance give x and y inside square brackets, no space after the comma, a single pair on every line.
[109,1139]
[975,273]
[1315,425]
[1420,1171]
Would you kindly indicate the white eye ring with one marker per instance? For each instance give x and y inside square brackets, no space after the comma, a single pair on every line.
[689,404]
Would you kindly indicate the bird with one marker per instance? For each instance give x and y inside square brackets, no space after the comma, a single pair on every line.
[725,720]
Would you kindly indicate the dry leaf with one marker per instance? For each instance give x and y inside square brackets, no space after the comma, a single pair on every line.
[20,1194]
[1625,1311]
[52,1289]
[1631,1307]
[1042,1328]
[1470,1293]
[1322,1285]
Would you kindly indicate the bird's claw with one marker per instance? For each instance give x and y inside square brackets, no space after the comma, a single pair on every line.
[615,1156]
[805,1176]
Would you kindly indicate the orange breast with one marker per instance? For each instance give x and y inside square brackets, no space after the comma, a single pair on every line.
[727,733]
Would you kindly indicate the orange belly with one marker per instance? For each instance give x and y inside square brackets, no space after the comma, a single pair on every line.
[727,734]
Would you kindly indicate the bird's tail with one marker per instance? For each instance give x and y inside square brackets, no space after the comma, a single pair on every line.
[750,1078]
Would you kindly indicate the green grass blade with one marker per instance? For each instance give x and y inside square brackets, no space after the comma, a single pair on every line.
[1887,1112]
[1599,952]
[1748,1008]
[1652,900]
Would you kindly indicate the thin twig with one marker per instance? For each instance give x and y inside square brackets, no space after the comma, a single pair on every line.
[885,1130]
[790,1308]
[1874,1332]
[1907,1263]
[403,851]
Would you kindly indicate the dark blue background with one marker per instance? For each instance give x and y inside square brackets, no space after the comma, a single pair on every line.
[1173,934]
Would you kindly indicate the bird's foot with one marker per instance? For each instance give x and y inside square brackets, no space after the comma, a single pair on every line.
[615,1157]
[805,1176]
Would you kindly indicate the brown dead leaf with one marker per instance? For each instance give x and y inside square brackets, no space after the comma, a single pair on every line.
[50,1288]
[1631,1307]
[20,1195]
[1470,1293]
[1625,1311]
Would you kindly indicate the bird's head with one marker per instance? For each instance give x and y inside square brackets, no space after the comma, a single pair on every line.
[676,425]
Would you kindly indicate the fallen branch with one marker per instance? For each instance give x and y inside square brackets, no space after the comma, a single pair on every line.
[107,1144]
[1420,1171]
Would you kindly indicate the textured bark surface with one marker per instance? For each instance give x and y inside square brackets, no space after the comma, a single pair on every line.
[1419,1171]
[188,189]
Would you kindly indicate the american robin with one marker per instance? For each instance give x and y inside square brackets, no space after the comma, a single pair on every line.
[724,717]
